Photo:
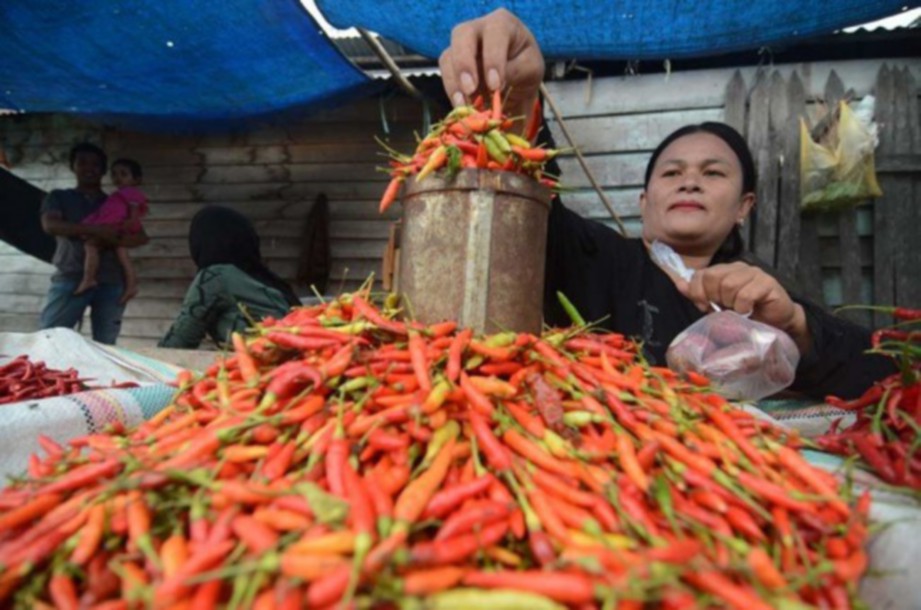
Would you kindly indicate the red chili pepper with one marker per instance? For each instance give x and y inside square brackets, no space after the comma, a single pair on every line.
[903,313]
[535,118]
[203,559]
[798,466]
[447,499]
[478,401]
[870,397]
[415,497]
[335,460]
[257,536]
[299,342]
[903,336]
[851,569]
[83,476]
[481,512]
[773,493]
[626,454]
[538,456]
[729,428]
[63,592]
[874,458]
[277,466]
[391,193]
[287,379]
[568,588]
[427,582]
[247,365]
[497,455]
[744,523]
[531,423]
[454,550]
[482,155]
[385,441]
[554,485]
[677,552]
[737,596]
[420,361]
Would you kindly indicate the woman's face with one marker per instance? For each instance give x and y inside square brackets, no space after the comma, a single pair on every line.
[694,196]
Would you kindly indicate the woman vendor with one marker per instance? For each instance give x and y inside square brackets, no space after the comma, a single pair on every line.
[231,280]
[699,188]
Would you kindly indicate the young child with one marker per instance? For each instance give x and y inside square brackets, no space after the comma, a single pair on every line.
[124,208]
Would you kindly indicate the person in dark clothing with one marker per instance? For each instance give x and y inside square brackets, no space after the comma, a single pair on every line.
[699,188]
[231,277]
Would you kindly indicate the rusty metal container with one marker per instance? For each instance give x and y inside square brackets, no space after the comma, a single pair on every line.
[472,249]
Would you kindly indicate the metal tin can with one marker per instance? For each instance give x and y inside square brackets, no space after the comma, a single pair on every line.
[472,249]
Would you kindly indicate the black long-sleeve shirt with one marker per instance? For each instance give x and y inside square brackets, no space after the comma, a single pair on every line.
[613,279]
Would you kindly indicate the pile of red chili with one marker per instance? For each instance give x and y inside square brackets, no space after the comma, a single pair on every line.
[23,379]
[887,431]
[473,137]
[340,457]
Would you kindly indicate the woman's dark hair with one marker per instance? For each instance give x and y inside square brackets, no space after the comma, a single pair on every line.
[733,246]
[86,147]
[133,166]
[222,236]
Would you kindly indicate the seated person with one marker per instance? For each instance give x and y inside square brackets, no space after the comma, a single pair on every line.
[231,277]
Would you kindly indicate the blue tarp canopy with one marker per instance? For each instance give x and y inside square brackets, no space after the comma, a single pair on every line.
[626,29]
[169,63]
[181,64]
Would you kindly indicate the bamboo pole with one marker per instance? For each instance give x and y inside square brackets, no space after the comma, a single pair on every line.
[572,144]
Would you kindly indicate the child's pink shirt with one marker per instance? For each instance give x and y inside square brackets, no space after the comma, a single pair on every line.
[114,210]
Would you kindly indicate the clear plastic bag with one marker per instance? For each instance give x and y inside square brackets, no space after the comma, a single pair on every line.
[744,359]
[842,173]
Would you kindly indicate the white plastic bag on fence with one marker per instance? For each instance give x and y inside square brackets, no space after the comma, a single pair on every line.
[840,173]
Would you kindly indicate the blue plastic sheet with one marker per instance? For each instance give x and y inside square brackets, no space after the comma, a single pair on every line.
[169,63]
[627,29]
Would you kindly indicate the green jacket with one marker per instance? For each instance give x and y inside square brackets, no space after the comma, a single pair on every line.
[214,306]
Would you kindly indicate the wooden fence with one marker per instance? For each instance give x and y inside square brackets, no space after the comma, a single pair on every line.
[863,255]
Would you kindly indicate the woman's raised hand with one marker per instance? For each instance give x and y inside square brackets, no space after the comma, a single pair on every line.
[496,51]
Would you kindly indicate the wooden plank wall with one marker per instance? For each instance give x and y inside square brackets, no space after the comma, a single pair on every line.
[271,174]
[618,121]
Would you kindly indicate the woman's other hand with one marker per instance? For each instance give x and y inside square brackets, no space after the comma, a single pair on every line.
[496,51]
[747,289]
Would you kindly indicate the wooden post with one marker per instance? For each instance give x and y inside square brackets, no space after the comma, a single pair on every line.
[759,142]
[848,241]
[883,221]
[735,115]
[769,172]
[809,271]
[905,208]
[788,233]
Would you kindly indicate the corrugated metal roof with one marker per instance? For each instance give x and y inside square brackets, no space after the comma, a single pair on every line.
[407,72]
[907,19]
[414,65]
